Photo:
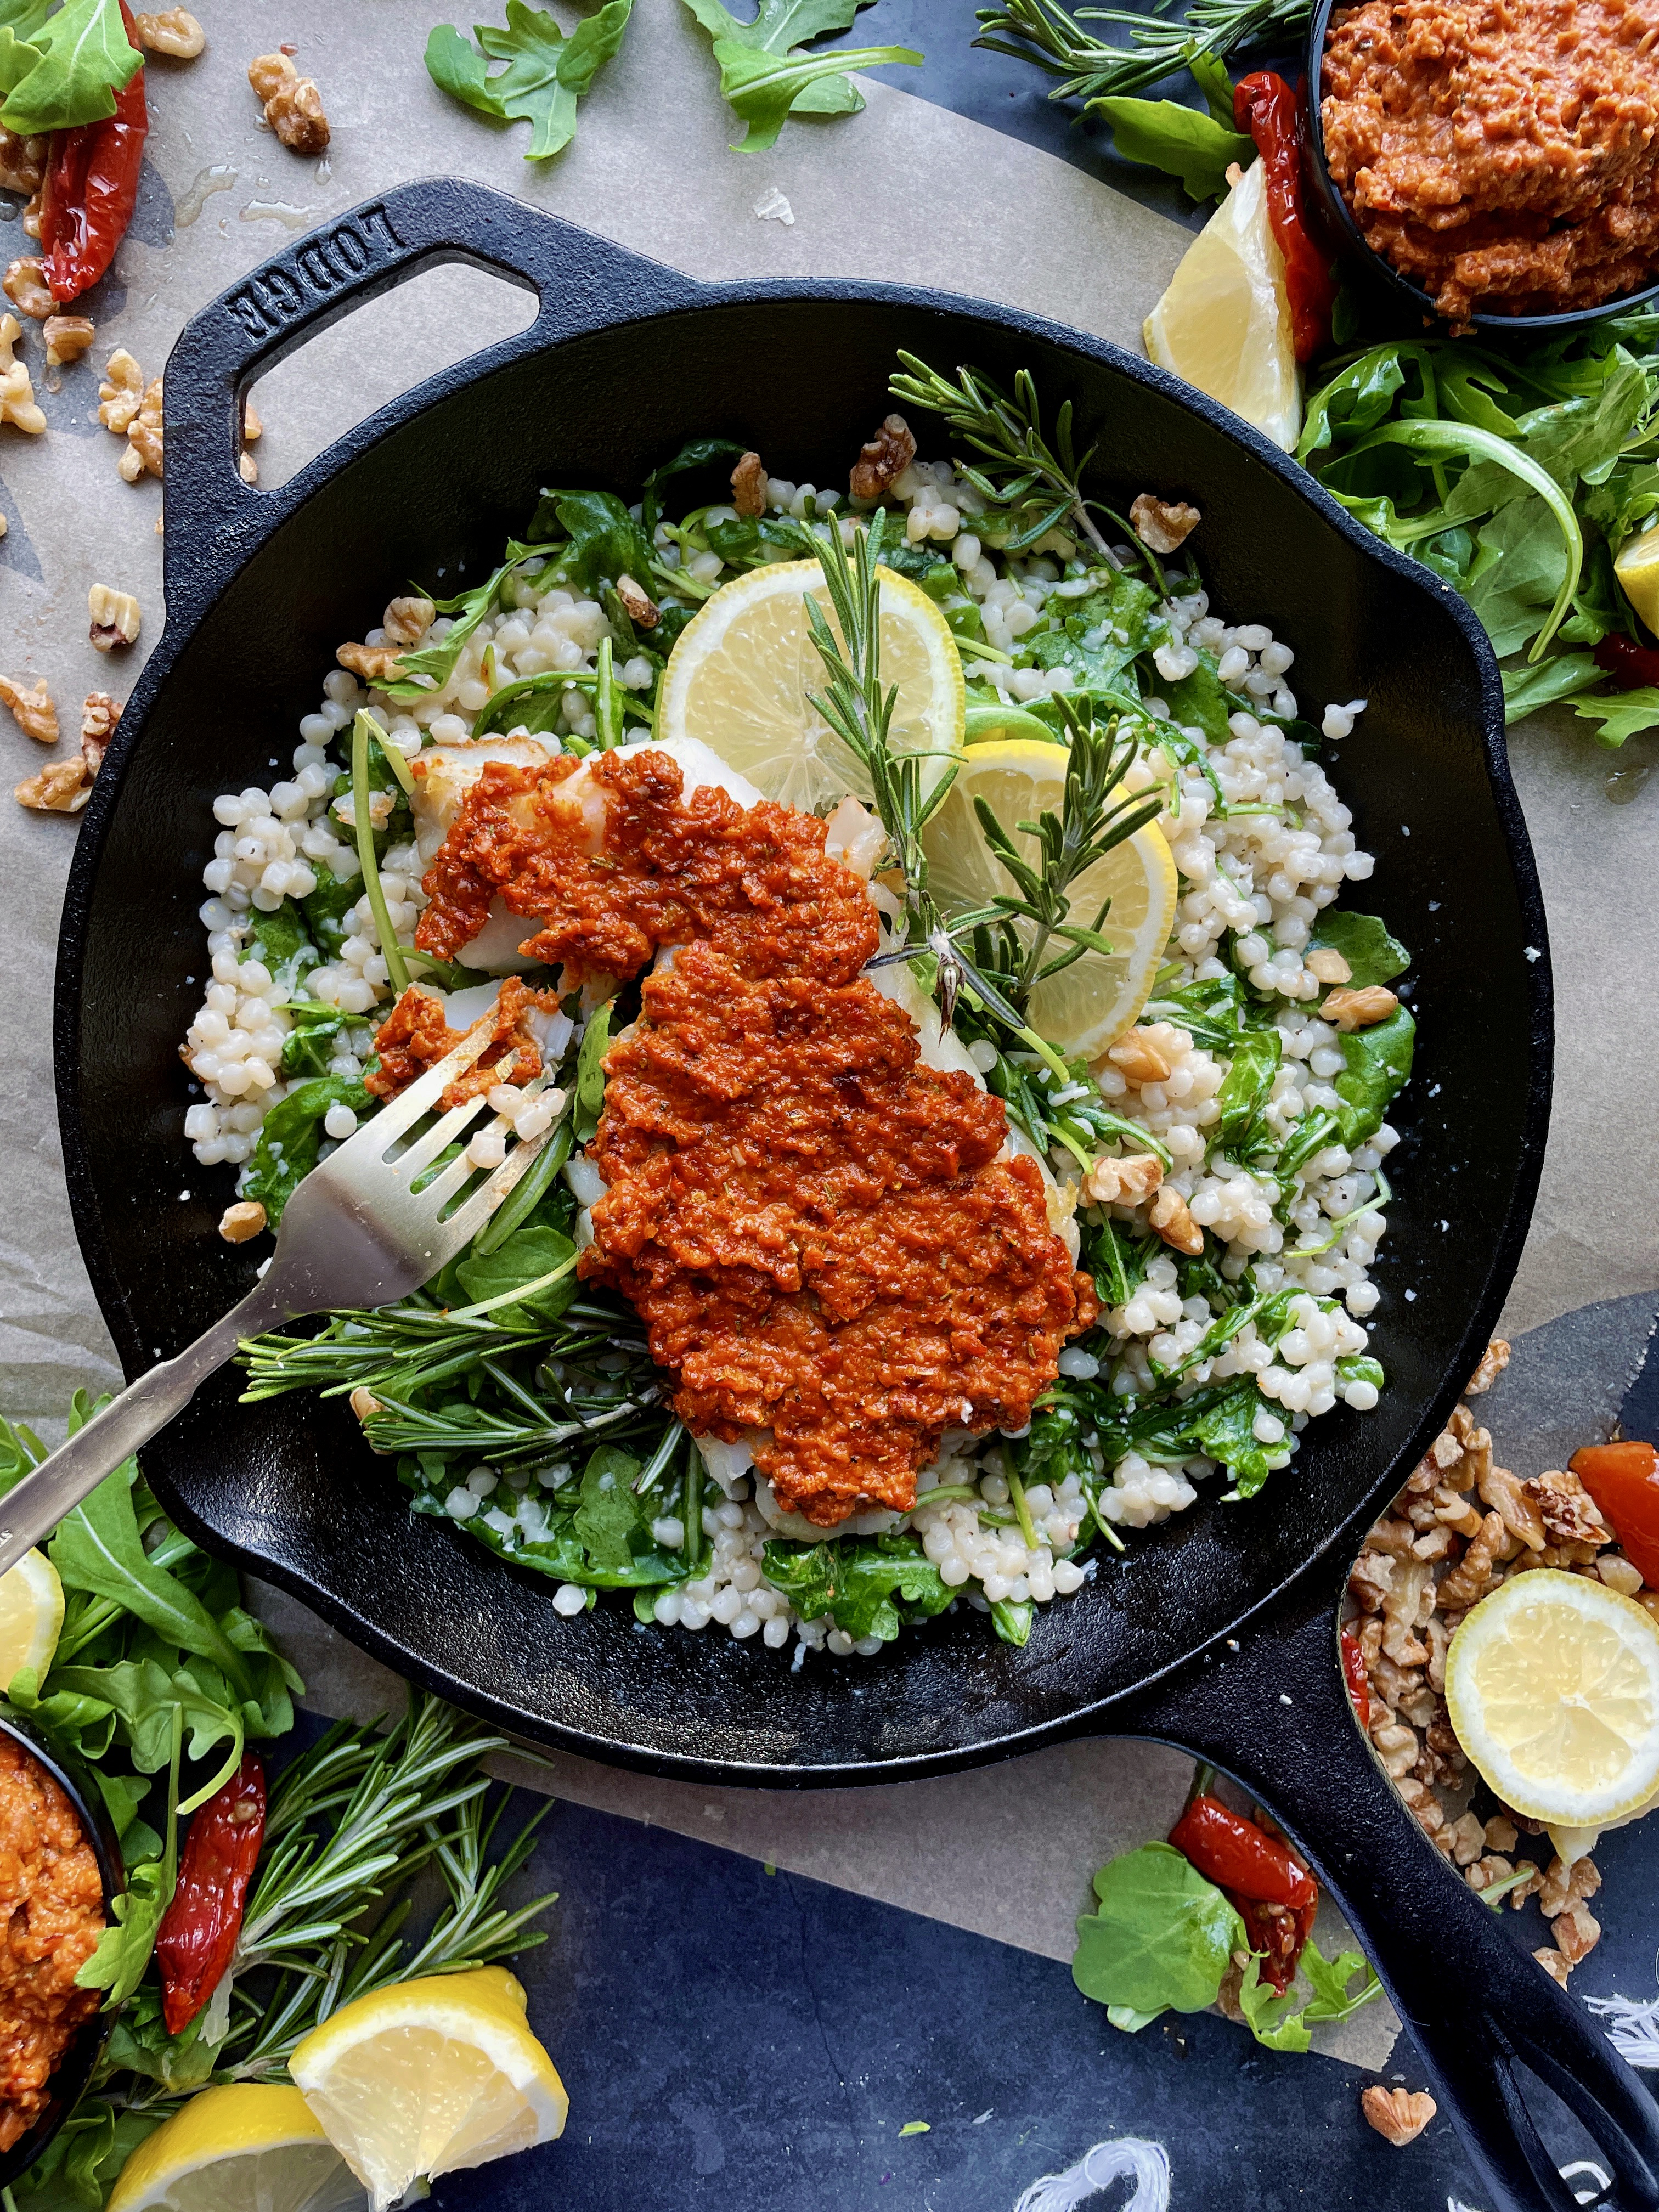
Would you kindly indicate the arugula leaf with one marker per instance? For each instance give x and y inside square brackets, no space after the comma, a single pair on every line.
[83,60]
[1620,715]
[590,1072]
[1373,957]
[1162,1937]
[1379,1063]
[1011,1619]
[781,27]
[1201,700]
[314,1040]
[547,73]
[1212,1012]
[327,907]
[291,1136]
[1526,688]
[1279,2023]
[1359,1367]
[609,1513]
[535,703]
[279,942]
[123,1950]
[696,452]
[855,1580]
[524,1257]
[605,541]
[1246,1085]
[436,663]
[1183,142]
[597,1533]
[764,87]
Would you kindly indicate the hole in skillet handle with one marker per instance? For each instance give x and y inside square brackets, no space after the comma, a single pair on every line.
[1275,1714]
[1382,279]
[74,2070]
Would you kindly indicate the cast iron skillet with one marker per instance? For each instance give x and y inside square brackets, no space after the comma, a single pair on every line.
[1216,1632]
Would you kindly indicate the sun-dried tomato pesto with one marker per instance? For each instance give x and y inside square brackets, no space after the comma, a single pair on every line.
[815,1227]
[52,1910]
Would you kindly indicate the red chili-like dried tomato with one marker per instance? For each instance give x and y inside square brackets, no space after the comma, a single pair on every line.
[90,187]
[1266,106]
[1359,1682]
[1623,1481]
[1271,1892]
[1630,665]
[198,1931]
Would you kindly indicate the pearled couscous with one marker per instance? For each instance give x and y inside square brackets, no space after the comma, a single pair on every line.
[1219,1171]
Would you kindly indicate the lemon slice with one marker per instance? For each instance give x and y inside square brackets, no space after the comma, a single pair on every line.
[1224,323]
[428,2076]
[31,1615]
[1637,570]
[241,2148]
[1553,1684]
[1088,1005]
[742,673]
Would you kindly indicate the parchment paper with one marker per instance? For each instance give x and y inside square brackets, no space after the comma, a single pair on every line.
[905,190]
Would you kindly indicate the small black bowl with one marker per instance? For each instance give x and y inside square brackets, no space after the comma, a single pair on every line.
[1377,265]
[75,2069]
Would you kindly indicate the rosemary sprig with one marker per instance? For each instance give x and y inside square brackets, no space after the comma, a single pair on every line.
[1042,32]
[1097,814]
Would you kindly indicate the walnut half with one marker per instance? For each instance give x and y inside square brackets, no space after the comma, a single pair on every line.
[1125,1181]
[1161,527]
[115,618]
[98,719]
[882,460]
[294,107]
[67,337]
[1398,2116]
[18,405]
[175,33]
[749,486]
[25,285]
[32,711]
[63,786]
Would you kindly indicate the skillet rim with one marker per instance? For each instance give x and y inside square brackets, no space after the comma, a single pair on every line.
[689,296]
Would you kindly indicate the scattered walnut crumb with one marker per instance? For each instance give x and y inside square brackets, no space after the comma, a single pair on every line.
[1472,1577]
[175,33]
[373,663]
[638,604]
[1125,1181]
[1553,1964]
[63,786]
[1160,527]
[23,162]
[882,460]
[294,107]
[17,402]
[749,486]
[246,467]
[1398,2116]
[34,712]
[1620,1573]
[25,285]
[144,454]
[1174,1222]
[1326,964]
[121,394]
[240,1222]
[98,719]
[1502,1834]
[1493,1360]
[115,616]
[32,218]
[1136,1055]
[68,338]
[1359,1010]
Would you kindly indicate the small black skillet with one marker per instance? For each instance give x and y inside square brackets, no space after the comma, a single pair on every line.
[1216,1631]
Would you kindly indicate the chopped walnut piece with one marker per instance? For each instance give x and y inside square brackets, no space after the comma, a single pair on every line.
[121,394]
[1493,1868]
[32,217]
[1620,1574]
[63,786]
[1446,1450]
[67,337]
[1493,1360]
[25,285]
[23,162]
[1369,1579]
[1468,1839]
[1577,1932]
[1160,527]
[1326,964]
[1569,1513]
[1472,1577]
[1565,1886]
[1553,1964]
[1507,1496]
[1359,1010]
[406,621]
[1396,1746]
[1125,1181]
[246,467]
[1395,1537]
[638,604]
[294,107]
[32,711]
[115,618]
[882,460]
[1398,2116]
[144,454]
[1174,1223]
[373,663]
[17,402]
[749,486]
[240,1222]
[1137,1056]
[98,719]
[175,33]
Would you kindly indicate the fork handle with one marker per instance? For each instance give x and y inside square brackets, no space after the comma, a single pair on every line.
[33,1507]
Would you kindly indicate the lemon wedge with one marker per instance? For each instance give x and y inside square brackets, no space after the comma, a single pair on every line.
[31,1615]
[1553,1684]
[743,671]
[1224,323]
[1089,1005]
[1638,569]
[241,2149]
[428,2076]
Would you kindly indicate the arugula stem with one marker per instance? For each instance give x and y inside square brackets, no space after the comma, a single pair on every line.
[692,1548]
[527,1194]
[362,820]
[1017,1493]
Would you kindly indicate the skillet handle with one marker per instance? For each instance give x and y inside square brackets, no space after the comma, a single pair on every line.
[1275,1714]
[580,281]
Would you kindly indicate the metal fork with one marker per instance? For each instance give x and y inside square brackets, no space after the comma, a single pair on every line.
[355,1233]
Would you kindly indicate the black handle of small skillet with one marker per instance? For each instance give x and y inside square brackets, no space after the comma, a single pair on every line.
[582,282]
[1275,1713]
